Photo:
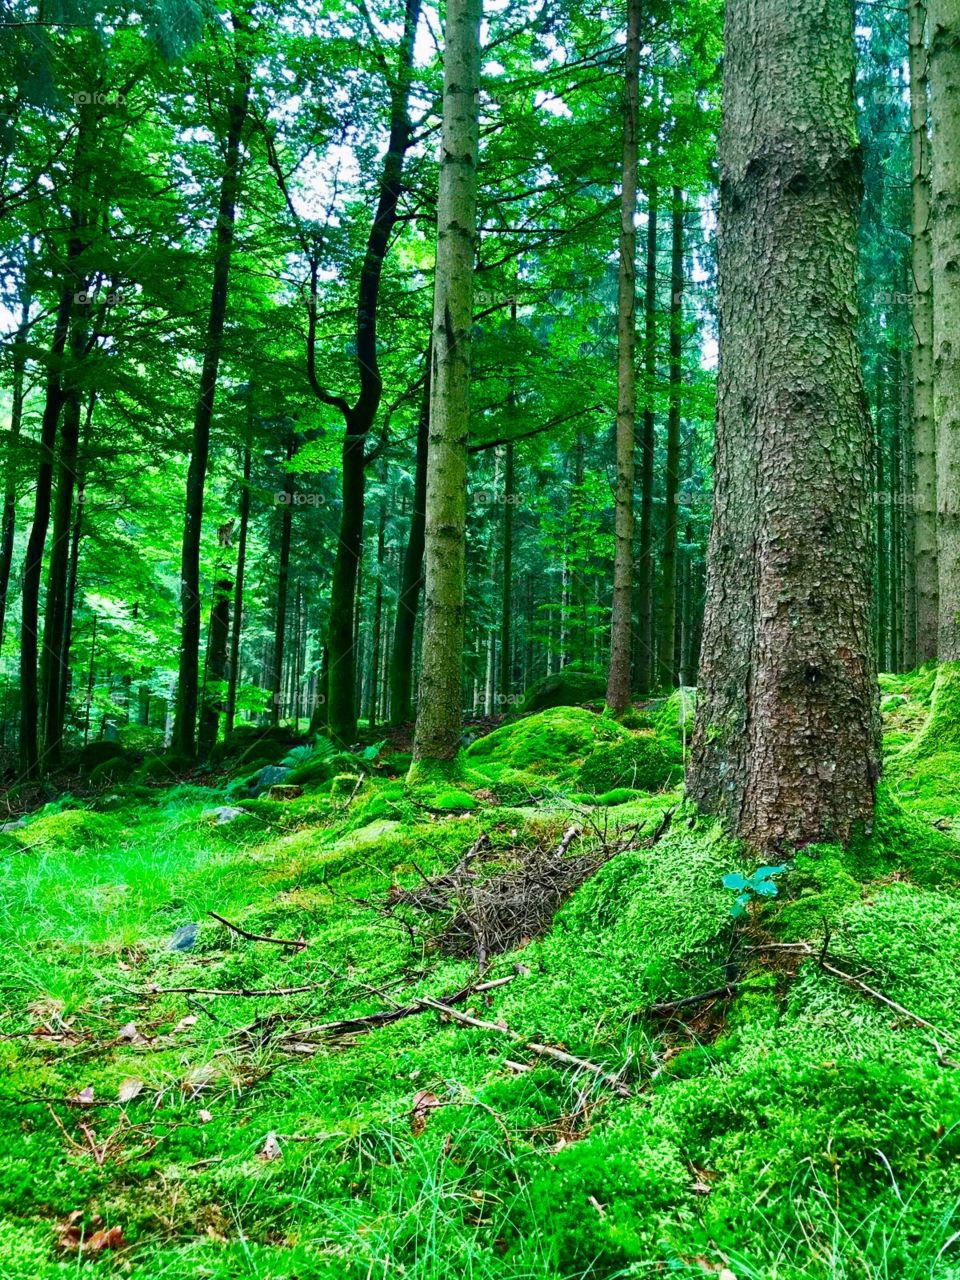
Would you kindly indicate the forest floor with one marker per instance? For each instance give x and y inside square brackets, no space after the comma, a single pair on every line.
[175,1103]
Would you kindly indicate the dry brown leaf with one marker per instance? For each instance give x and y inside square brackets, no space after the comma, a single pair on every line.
[189,1021]
[71,1235]
[130,1089]
[85,1097]
[423,1102]
[130,1033]
[204,1116]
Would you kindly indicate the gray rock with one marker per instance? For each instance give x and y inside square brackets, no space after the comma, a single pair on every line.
[223,814]
[184,938]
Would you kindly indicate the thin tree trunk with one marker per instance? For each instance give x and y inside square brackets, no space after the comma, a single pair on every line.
[373,687]
[786,741]
[645,640]
[185,719]
[667,648]
[506,590]
[881,608]
[924,426]
[943,17]
[342,701]
[283,581]
[618,676]
[216,664]
[8,519]
[439,709]
[234,667]
[408,601]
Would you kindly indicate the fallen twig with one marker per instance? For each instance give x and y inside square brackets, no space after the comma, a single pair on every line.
[715,993]
[532,1046]
[297,943]
[383,1017]
[154,990]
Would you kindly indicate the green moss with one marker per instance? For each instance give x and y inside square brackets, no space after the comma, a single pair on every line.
[567,688]
[941,730]
[97,753]
[554,742]
[674,722]
[68,830]
[436,773]
[443,799]
[117,770]
[638,763]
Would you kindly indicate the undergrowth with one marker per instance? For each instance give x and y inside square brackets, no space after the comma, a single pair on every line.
[790,1127]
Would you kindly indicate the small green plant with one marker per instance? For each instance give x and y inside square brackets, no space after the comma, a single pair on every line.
[760,885]
[319,752]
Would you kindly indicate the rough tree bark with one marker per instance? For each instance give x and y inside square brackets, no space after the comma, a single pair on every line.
[786,744]
[618,676]
[924,426]
[185,719]
[439,707]
[233,678]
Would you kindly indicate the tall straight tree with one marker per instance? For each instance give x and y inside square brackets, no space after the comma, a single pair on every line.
[786,744]
[440,703]
[943,27]
[666,649]
[943,17]
[618,678]
[924,427]
[645,640]
[360,416]
[185,721]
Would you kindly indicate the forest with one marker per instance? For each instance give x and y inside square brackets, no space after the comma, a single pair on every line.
[480,639]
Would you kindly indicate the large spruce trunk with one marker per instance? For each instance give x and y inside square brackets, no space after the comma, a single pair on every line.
[440,704]
[786,746]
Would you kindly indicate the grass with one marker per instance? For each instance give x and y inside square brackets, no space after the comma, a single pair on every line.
[799,1132]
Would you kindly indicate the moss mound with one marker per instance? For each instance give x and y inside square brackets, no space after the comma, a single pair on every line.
[674,722]
[566,688]
[67,830]
[553,742]
[638,763]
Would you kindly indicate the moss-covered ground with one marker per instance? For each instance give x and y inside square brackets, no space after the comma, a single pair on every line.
[801,1128]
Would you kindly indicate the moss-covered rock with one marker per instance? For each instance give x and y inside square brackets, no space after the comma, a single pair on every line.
[637,763]
[95,754]
[569,687]
[68,831]
[118,770]
[554,742]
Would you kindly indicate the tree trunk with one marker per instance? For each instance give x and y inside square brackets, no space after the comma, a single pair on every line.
[506,591]
[645,654]
[234,670]
[184,727]
[924,426]
[8,519]
[786,744]
[283,582]
[618,676]
[943,17]
[216,664]
[408,601]
[359,418]
[439,709]
[667,648]
[373,686]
